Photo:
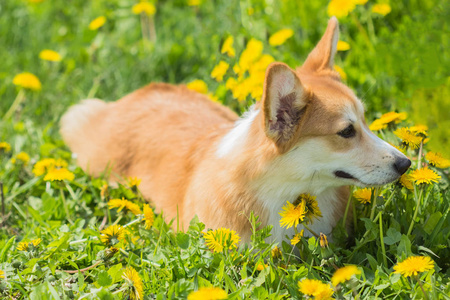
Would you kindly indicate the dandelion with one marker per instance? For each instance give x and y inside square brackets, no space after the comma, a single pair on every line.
[363,195]
[134,182]
[281,36]
[125,205]
[297,237]
[149,216]
[28,81]
[377,125]
[405,180]
[419,129]
[133,281]
[5,147]
[311,207]
[194,2]
[323,240]
[424,175]
[220,239]
[2,274]
[276,252]
[47,164]
[22,156]
[250,54]
[219,71]
[144,7]
[24,246]
[344,274]
[343,46]
[112,235]
[208,293]
[316,288]
[437,160]
[109,253]
[59,174]
[340,8]
[49,55]
[97,23]
[341,72]
[381,8]
[292,214]
[414,265]
[198,86]
[227,47]
[408,137]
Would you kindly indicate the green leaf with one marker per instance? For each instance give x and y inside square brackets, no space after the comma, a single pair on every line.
[432,222]
[115,272]
[404,248]
[393,236]
[183,240]
[6,249]
[104,279]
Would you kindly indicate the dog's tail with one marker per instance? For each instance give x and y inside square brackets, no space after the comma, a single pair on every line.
[81,129]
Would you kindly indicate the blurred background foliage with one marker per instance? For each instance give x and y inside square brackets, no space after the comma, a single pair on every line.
[396,62]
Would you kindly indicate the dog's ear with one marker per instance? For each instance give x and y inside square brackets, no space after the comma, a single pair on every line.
[284,102]
[322,56]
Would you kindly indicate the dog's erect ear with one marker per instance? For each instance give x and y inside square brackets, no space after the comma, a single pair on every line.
[322,56]
[284,102]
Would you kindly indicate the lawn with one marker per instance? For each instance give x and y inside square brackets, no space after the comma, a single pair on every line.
[67,235]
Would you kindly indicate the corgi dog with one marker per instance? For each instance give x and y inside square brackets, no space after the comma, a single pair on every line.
[196,157]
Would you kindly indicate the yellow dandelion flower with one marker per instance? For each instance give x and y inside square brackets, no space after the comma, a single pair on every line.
[49,55]
[341,72]
[377,125]
[112,235]
[194,2]
[59,174]
[408,137]
[5,147]
[227,47]
[311,207]
[437,160]
[198,86]
[292,214]
[97,23]
[276,252]
[208,293]
[24,246]
[297,237]
[399,148]
[405,180]
[340,8]
[22,156]
[220,239]
[149,216]
[261,266]
[363,195]
[393,116]
[419,129]
[46,164]
[123,204]
[281,36]
[424,175]
[27,80]
[343,46]
[2,274]
[250,54]
[344,274]
[316,288]
[414,265]
[219,71]
[133,284]
[134,181]
[360,2]
[144,7]
[323,240]
[381,8]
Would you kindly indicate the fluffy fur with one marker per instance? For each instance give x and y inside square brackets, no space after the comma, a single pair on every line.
[195,157]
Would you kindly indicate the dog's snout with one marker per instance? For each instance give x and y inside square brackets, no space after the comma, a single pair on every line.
[401,164]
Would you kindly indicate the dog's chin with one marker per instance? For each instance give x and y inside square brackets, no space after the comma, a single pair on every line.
[352,180]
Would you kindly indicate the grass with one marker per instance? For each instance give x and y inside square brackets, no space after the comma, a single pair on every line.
[395,63]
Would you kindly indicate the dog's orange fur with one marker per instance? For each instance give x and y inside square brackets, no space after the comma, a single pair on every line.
[168,136]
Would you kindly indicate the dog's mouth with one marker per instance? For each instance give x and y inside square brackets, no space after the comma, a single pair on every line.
[342,174]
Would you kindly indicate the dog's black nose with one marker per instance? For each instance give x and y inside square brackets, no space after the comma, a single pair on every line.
[401,164]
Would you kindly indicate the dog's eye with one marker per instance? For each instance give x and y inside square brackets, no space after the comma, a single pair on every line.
[347,132]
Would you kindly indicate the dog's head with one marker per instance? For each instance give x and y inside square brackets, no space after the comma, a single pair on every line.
[317,123]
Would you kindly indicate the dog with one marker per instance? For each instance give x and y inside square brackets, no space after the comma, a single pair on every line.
[196,157]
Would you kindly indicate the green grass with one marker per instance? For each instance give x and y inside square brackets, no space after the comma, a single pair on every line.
[397,62]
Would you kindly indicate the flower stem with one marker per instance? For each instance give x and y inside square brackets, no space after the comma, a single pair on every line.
[418,199]
[66,209]
[374,202]
[19,98]
[421,286]
[310,230]
[344,220]
[383,249]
